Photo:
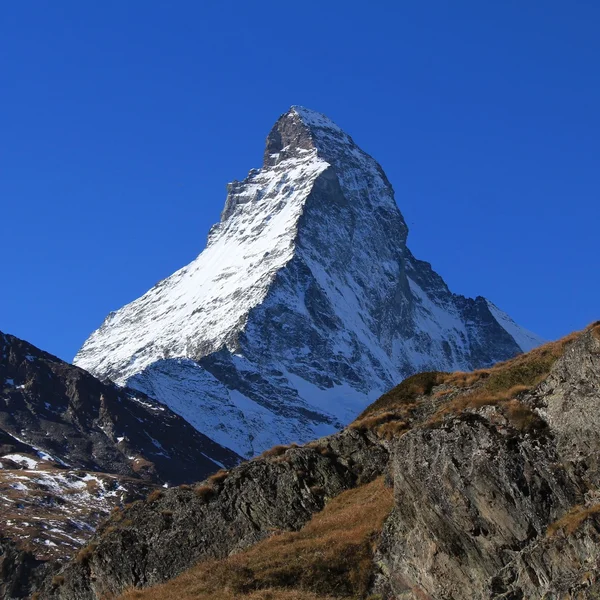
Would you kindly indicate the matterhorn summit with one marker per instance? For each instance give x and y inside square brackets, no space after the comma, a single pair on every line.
[305,305]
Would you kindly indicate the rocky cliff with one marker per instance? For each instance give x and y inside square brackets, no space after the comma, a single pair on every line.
[305,306]
[495,495]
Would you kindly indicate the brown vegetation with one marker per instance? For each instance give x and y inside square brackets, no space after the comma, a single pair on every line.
[478,398]
[219,476]
[414,401]
[93,487]
[502,384]
[85,553]
[204,492]
[406,393]
[571,522]
[154,496]
[275,451]
[331,556]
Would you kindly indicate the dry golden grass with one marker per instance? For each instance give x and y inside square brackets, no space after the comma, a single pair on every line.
[154,496]
[330,557]
[571,522]
[525,369]
[204,492]
[276,451]
[502,384]
[461,379]
[371,422]
[219,476]
[479,398]
[406,393]
[267,594]
[408,404]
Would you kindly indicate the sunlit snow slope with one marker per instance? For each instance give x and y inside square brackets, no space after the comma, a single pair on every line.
[305,305]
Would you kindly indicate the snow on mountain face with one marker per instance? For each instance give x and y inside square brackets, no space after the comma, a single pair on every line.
[305,305]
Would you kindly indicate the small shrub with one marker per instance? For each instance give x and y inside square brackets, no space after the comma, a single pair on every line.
[86,553]
[570,522]
[154,496]
[58,580]
[116,515]
[371,422]
[92,487]
[185,486]
[326,451]
[275,451]
[219,476]
[522,417]
[204,492]
[167,514]
[392,429]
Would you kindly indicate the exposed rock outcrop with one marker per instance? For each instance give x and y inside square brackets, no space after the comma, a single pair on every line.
[20,572]
[158,539]
[487,506]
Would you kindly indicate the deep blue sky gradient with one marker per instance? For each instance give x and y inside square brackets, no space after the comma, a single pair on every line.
[121,123]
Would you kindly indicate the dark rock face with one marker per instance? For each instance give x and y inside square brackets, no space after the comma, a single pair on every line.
[55,408]
[20,572]
[468,497]
[476,499]
[154,541]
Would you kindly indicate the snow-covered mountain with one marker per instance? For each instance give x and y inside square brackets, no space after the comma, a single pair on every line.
[305,305]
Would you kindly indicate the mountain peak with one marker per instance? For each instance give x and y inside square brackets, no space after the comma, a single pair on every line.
[300,130]
[312,119]
[305,304]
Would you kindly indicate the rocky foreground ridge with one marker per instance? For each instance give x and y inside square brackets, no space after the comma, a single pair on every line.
[451,486]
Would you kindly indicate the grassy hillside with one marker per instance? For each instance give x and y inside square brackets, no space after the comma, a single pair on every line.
[332,555]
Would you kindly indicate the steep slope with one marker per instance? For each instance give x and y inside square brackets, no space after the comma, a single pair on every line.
[496,492]
[73,448]
[63,414]
[305,305]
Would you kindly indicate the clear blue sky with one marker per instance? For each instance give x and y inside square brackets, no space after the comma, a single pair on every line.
[122,122]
